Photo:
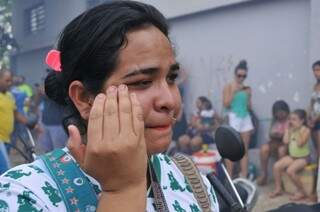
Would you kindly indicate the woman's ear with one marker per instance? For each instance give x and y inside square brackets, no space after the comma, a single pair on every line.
[80,98]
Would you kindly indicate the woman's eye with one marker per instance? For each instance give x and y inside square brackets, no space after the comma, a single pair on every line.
[172,77]
[140,84]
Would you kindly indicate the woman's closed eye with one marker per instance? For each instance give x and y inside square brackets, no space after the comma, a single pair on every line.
[146,83]
[141,84]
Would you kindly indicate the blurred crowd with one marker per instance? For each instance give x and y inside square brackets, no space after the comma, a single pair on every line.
[24,111]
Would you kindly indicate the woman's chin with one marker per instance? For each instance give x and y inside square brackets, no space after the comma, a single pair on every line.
[157,146]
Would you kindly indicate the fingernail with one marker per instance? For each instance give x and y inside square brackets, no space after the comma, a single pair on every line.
[100,96]
[112,89]
[122,87]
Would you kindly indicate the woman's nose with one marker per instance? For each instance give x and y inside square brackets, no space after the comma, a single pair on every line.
[166,99]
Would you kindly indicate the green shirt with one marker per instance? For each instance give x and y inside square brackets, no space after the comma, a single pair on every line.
[30,187]
[26,89]
[294,150]
[239,104]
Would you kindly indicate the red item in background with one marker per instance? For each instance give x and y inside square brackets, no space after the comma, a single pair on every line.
[206,160]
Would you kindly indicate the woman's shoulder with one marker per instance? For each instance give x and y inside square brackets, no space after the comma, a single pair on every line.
[24,172]
[174,178]
[227,86]
[305,129]
[33,184]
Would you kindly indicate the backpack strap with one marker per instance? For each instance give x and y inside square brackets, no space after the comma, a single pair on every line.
[75,188]
[189,170]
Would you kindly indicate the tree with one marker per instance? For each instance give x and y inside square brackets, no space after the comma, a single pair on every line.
[7,42]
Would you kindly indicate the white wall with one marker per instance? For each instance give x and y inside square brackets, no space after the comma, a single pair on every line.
[176,8]
[58,13]
[272,35]
[29,61]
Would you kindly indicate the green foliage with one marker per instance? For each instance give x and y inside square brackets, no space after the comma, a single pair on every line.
[7,42]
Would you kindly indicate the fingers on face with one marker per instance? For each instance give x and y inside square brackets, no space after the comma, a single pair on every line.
[110,114]
[95,130]
[137,115]
[114,113]
[125,110]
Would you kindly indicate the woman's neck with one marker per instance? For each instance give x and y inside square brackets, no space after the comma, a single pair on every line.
[237,82]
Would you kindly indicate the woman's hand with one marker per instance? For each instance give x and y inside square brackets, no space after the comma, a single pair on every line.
[305,136]
[115,153]
[234,87]
[285,138]
[311,122]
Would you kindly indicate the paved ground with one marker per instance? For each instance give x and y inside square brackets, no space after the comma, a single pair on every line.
[264,203]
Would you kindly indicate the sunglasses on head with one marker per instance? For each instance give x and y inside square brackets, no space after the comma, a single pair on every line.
[241,75]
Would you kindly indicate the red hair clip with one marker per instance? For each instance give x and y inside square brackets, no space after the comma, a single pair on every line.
[53,60]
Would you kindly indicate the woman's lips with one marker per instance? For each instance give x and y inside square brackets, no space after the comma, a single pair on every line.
[160,128]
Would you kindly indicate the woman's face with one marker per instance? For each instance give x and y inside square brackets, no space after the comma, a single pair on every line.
[316,72]
[5,81]
[241,75]
[281,115]
[295,121]
[147,65]
[199,104]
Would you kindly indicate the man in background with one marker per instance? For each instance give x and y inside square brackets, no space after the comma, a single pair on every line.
[8,113]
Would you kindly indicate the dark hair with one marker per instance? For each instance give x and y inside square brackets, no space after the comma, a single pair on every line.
[317,63]
[90,46]
[206,102]
[280,105]
[242,65]
[302,114]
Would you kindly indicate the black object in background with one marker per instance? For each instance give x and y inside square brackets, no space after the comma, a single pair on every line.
[230,146]
[293,207]
[229,143]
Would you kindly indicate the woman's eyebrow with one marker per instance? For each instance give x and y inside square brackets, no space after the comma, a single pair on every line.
[145,71]
[150,71]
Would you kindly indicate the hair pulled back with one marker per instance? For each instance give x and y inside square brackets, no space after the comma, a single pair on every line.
[317,63]
[241,66]
[302,114]
[205,102]
[280,105]
[90,46]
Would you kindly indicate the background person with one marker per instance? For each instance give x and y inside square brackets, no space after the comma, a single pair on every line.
[8,113]
[296,137]
[275,146]
[200,131]
[237,101]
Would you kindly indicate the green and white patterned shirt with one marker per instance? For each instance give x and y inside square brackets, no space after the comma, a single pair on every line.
[30,187]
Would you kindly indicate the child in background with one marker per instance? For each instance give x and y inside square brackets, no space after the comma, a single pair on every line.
[297,137]
[201,127]
[209,121]
[275,146]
